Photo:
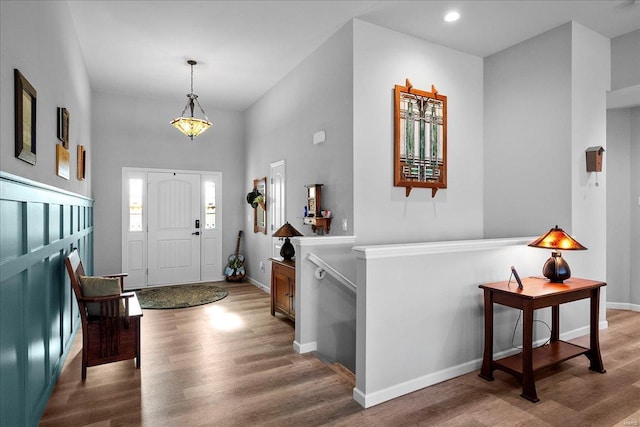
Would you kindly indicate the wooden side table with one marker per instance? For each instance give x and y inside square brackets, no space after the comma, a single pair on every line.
[539,293]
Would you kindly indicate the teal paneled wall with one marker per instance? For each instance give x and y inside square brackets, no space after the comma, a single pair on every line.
[39,225]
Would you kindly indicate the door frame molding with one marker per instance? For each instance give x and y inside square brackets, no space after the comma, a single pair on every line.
[275,244]
[126,171]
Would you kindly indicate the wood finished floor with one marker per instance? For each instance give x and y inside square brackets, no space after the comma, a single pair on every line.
[232,364]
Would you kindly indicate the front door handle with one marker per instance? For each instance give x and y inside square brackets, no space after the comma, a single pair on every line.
[197,233]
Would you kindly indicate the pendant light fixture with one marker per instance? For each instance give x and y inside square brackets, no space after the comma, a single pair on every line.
[191,126]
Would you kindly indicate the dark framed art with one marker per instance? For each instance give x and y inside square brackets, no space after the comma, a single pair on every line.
[63,126]
[82,162]
[25,118]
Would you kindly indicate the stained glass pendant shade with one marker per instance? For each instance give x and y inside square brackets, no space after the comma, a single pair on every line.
[190,125]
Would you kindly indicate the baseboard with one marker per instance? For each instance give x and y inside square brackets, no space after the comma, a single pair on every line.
[368,400]
[623,306]
[254,282]
[306,347]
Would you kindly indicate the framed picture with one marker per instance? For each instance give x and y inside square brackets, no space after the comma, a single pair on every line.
[63,126]
[420,139]
[25,118]
[260,211]
[62,161]
[82,162]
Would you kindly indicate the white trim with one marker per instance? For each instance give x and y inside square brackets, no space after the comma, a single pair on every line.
[623,306]
[306,347]
[323,240]
[5,176]
[258,284]
[627,97]
[418,249]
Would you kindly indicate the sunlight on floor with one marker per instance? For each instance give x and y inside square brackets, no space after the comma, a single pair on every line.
[222,320]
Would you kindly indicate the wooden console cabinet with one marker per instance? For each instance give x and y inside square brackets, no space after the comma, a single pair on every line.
[283,287]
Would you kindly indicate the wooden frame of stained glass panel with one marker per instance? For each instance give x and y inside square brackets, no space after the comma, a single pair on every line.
[420,139]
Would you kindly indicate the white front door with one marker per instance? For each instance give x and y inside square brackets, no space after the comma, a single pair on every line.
[174,228]
[276,203]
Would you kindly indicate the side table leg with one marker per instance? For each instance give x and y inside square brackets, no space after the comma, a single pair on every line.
[528,382]
[594,336]
[486,371]
[555,323]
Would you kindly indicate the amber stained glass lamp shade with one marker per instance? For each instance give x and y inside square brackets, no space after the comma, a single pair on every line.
[556,268]
[190,125]
[287,251]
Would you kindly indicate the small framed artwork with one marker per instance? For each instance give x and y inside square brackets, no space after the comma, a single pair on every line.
[25,118]
[260,211]
[62,161]
[82,162]
[63,127]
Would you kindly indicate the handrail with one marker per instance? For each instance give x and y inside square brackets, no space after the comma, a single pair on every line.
[324,267]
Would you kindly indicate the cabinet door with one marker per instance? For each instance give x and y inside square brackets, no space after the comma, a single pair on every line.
[292,292]
[282,291]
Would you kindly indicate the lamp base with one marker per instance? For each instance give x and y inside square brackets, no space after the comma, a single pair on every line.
[556,268]
[287,251]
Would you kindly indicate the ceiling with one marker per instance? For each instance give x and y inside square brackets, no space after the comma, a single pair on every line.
[243,48]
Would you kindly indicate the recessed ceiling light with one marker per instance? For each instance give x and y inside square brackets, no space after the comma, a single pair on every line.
[451,16]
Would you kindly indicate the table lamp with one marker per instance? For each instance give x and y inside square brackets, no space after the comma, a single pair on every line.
[287,251]
[556,268]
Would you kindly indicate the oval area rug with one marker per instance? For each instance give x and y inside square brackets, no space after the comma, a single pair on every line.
[180,296]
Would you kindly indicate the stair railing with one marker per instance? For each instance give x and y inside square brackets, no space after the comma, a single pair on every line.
[324,268]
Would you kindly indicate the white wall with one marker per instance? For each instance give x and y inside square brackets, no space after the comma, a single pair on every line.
[38,38]
[325,308]
[619,207]
[623,156]
[635,209]
[135,132]
[382,213]
[527,137]
[590,81]
[625,60]
[316,95]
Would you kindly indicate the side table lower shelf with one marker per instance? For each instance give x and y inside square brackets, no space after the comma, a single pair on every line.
[543,357]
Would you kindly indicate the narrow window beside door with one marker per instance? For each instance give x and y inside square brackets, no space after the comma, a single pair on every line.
[135,204]
[210,205]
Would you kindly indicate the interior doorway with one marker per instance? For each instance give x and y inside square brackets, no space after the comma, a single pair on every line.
[277,202]
[171,226]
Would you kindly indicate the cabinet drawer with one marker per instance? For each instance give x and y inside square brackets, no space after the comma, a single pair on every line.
[284,270]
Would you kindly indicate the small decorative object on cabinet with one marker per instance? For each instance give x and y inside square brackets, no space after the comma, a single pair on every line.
[420,134]
[319,220]
[283,287]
